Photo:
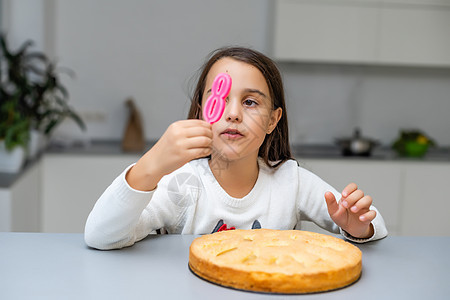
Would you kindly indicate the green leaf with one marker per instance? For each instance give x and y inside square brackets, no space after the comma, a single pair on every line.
[77,120]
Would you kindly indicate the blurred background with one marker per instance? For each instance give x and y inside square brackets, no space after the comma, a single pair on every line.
[359,76]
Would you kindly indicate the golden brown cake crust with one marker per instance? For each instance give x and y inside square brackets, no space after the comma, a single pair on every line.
[275,261]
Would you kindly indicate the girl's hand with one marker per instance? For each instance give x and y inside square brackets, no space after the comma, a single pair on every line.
[182,142]
[353,212]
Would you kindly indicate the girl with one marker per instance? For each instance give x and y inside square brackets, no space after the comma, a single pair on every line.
[236,173]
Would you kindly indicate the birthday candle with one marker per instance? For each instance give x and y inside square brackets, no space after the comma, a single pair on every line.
[215,104]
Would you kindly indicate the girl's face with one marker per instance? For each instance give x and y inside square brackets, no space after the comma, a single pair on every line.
[248,114]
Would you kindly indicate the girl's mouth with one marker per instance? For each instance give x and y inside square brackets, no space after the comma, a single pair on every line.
[232,133]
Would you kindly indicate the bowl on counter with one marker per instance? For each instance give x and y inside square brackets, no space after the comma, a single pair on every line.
[413,143]
[415,149]
[356,145]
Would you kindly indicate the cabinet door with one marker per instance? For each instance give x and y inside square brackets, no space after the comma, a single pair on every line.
[20,203]
[426,207]
[381,180]
[71,184]
[26,201]
[415,35]
[325,31]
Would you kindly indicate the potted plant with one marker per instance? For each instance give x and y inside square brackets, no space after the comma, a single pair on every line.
[14,133]
[48,105]
[32,96]
[412,143]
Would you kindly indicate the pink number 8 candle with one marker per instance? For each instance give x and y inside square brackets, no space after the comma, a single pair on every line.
[215,104]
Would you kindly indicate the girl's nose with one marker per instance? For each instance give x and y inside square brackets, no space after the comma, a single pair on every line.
[233,112]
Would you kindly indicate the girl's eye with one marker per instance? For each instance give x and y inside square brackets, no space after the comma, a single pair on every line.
[250,102]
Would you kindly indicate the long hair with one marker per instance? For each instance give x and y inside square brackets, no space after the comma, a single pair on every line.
[275,149]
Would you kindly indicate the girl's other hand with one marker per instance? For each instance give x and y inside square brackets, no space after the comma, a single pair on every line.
[352,213]
[182,142]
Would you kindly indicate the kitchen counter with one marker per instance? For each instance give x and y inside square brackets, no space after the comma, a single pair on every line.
[298,151]
[61,266]
[379,153]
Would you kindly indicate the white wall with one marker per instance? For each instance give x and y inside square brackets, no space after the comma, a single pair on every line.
[147,50]
[150,50]
[22,20]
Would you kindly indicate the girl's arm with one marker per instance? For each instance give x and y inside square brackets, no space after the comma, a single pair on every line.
[353,213]
[119,217]
[319,201]
[182,142]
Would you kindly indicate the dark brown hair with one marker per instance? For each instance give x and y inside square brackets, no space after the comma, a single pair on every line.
[276,148]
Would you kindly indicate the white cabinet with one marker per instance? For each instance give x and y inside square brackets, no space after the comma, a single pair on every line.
[325,31]
[413,34]
[411,195]
[71,184]
[20,204]
[425,204]
[402,32]
[57,193]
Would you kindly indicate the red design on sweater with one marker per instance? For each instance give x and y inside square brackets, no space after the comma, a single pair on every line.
[224,227]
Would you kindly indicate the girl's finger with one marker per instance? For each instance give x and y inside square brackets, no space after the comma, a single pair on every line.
[198,131]
[194,123]
[199,152]
[198,142]
[352,198]
[364,203]
[368,216]
[349,189]
[181,128]
[332,205]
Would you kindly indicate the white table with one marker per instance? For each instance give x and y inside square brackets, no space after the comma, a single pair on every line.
[61,266]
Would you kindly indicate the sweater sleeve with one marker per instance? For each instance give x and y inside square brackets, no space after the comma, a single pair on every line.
[379,228]
[118,218]
[313,207]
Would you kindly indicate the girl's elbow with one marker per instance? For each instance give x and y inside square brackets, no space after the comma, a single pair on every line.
[94,238]
[98,240]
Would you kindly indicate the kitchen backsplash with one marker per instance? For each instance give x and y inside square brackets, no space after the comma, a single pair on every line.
[329,101]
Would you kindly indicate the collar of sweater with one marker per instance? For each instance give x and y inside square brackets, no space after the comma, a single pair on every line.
[247,200]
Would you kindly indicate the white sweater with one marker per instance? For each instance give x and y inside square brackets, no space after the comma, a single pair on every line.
[191,201]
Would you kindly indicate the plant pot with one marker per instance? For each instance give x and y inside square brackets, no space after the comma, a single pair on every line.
[37,143]
[33,144]
[11,161]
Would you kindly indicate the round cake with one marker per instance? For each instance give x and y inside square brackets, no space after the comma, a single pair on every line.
[275,261]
